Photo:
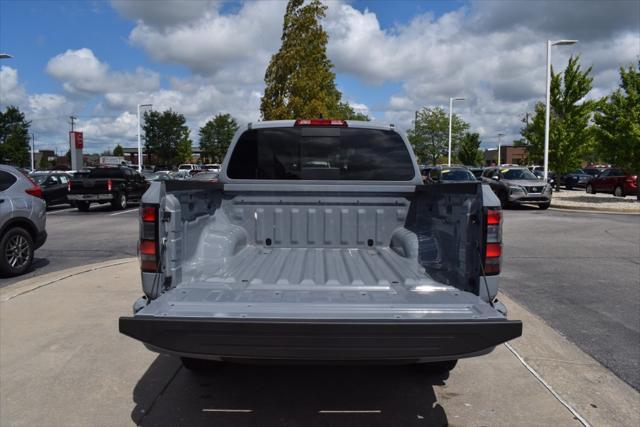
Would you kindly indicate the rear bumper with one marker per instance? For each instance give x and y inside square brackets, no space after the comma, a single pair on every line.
[320,340]
[90,197]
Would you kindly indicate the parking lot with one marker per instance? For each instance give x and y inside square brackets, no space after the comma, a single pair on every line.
[558,265]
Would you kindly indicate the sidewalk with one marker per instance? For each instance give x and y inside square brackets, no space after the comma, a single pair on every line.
[63,363]
[579,199]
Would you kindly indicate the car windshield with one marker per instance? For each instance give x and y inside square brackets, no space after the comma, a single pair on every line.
[39,178]
[457,175]
[592,172]
[517,174]
[184,167]
[321,153]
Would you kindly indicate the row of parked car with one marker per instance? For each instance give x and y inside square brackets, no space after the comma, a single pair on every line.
[522,185]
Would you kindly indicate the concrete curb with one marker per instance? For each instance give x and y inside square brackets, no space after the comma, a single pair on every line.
[592,210]
[16,289]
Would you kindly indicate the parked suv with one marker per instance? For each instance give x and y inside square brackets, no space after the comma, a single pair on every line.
[445,174]
[614,181]
[54,186]
[517,185]
[22,221]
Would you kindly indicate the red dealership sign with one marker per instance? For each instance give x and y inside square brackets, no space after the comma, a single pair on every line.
[77,138]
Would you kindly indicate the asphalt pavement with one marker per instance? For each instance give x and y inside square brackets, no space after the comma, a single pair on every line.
[580,272]
[78,238]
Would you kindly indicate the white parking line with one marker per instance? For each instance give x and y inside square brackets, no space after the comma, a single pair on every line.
[123,212]
[243,411]
[353,411]
[61,210]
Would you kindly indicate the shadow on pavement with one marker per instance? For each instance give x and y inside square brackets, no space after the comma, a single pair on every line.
[268,395]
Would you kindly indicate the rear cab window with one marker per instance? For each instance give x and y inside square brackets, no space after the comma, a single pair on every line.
[321,153]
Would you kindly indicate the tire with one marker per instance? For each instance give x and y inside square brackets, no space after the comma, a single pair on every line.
[438,368]
[120,202]
[569,187]
[590,189]
[82,206]
[198,365]
[618,191]
[544,206]
[16,251]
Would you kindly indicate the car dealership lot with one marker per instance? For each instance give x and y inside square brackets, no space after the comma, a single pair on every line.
[69,363]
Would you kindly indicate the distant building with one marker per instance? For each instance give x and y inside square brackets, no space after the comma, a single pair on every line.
[509,154]
[131,156]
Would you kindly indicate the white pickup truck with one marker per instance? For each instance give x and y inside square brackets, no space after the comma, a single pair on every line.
[320,243]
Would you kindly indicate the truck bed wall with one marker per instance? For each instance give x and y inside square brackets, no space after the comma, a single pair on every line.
[438,226]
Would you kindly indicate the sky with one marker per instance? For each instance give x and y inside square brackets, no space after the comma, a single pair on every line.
[98,59]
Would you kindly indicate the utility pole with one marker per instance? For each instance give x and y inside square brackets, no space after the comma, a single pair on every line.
[33,151]
[72,121]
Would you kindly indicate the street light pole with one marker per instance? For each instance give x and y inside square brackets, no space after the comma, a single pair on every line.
[500,135]
[450,115]
[139,143]
[33,150]
[548,102]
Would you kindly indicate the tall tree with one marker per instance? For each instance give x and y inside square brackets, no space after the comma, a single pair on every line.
[118,150]
[430,135]
[216,135]
[469,152]
[618,123]
[299,81]
[167,136]
[14,137]
[570,137]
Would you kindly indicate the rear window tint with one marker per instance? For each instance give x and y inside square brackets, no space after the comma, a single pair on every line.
[107,173]
[6,180]
[321,153]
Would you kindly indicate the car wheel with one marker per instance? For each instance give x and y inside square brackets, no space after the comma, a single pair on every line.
[443,367]
[544,206]
[199,365]
[16,251]
[120,202]
[618,191]
[590,189]
[569,187]
[83,206]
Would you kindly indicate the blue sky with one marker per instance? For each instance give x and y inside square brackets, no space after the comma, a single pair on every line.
[97,59]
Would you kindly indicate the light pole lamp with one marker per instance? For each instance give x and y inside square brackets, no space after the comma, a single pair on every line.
[139,143]
[450,115]
[547,105]
[500,135]
[5,56]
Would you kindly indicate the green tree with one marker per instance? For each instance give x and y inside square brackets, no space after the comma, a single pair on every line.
[299,81]
[618,123]
[216,135]
[430,135]
[167,136]
[14,137]
[469,152]
[346,112]
[118,150]
[570,137]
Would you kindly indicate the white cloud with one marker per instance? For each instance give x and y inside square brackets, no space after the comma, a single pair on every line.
[169,12]
[80,71]
[211,43]
[11,92]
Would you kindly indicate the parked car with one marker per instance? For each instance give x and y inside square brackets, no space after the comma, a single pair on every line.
[115,185]
[447,174]
[157,176]
[577,178]
[205,176]
[592,172]
[551,176]
[54,186]
[615,181]
[354,262]
[212,167]
[22,221]
[188,167]
[517,185]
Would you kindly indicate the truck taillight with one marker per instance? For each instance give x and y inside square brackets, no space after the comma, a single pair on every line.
[493,243]
[320,122]
[69,187]
[149,248]
[109,185]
